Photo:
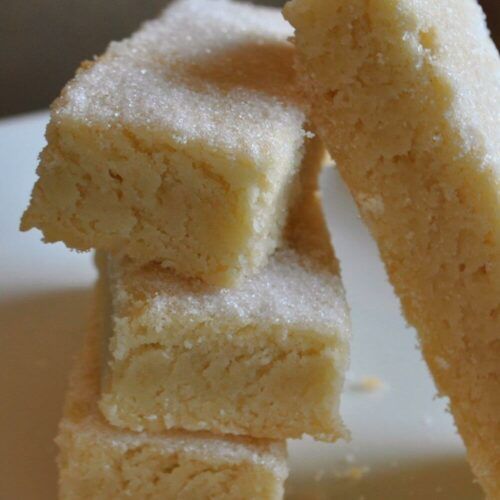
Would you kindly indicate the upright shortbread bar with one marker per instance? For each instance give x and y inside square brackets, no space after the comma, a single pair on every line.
[265,358]
[179,145]
[99,462]
[406,95]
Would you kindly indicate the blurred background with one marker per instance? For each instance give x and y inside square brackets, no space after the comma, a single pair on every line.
[43,41]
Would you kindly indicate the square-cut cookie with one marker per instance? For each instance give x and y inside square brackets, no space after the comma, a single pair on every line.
[99,462]
[265,358]
[406,96]
[180,145]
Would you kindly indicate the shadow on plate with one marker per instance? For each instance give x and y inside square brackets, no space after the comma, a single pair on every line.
[446,478]
[39,336]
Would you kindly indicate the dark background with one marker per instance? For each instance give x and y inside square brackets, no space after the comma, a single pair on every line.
[43,41]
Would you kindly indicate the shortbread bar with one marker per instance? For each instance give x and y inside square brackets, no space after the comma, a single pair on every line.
[265,358]
[99,462]
[406,95]
[179,145]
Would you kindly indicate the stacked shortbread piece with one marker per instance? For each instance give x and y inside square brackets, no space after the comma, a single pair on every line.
[220,329]
[406,95]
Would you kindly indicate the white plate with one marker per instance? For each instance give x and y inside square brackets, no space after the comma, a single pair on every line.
[404,444]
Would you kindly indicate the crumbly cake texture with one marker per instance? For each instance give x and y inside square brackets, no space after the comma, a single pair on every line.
[179,145]
[97,461]
[265,358]
[406,95]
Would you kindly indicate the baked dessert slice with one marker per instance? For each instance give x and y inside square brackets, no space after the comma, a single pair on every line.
[406,95]
[180,145]
[99,462]
[265,358]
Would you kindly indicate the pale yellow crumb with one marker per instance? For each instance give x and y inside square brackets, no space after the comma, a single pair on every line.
[355,473]
[369,384]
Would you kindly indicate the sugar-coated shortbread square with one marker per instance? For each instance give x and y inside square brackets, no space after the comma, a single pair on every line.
[99,462]
[180,145]
[265,358]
